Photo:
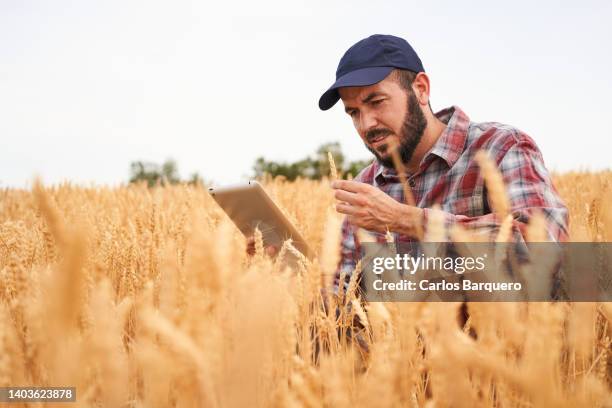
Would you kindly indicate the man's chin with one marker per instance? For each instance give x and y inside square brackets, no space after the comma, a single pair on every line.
[386,160]
[383,157]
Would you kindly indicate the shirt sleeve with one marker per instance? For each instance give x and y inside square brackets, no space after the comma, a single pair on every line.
[529,188]
[349,251]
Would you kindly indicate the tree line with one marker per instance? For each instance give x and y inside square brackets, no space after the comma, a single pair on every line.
[315,166]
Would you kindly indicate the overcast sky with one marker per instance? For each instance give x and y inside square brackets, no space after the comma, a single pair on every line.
[86,87]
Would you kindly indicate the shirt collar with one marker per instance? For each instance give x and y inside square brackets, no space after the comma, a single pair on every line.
[451,143]
[449,146]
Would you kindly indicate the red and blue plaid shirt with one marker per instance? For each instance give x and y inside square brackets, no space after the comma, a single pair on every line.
[448,175]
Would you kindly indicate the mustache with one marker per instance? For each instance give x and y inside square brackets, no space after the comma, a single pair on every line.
[374,133]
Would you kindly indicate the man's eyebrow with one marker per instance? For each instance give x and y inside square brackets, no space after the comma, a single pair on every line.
[365,100]
[372,96]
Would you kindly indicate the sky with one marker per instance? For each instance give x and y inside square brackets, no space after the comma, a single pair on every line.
[87,87]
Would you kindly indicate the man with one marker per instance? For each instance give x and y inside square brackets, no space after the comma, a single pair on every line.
[385,91]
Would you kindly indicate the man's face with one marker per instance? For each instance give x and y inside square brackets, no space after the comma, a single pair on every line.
[385,115]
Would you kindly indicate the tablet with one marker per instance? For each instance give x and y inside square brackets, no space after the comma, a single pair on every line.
[249,207]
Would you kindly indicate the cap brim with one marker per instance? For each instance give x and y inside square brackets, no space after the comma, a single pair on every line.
[360,77]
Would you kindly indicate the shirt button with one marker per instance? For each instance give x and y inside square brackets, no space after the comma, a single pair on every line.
[411,183]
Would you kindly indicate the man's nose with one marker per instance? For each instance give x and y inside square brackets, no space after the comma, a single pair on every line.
[368,121]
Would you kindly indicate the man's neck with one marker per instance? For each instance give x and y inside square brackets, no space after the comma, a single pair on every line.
[432,133]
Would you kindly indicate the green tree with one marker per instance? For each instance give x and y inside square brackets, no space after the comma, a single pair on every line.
[153,173]
[313,167]
[323,160]
[354,167]
[169,172]
[197,180]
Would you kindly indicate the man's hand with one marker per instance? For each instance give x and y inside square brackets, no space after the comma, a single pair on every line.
[370,208]
[270,250]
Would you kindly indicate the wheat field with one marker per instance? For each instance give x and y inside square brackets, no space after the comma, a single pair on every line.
[145,297]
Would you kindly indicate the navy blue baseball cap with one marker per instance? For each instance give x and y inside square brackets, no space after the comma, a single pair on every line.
[370,61]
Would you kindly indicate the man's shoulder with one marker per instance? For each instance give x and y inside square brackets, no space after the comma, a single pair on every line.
[498,138]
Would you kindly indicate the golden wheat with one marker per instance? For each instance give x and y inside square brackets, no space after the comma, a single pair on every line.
[145,298]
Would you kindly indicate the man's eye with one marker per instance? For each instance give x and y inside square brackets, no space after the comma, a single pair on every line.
[377,102]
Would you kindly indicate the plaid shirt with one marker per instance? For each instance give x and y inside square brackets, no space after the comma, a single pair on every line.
[449,176]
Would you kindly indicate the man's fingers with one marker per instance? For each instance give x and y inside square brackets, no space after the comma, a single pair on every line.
[354,221]
[250,245]
[351,198]
[271,250]
[349,185]
[346,209]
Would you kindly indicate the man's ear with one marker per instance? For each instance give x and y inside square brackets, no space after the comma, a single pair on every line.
[420,87]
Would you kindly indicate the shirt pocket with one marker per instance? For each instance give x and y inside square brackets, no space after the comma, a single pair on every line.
[471,206]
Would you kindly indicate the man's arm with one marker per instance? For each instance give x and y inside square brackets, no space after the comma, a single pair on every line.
[526,181]
[529,189]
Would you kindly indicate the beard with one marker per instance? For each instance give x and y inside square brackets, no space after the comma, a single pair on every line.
[411,133]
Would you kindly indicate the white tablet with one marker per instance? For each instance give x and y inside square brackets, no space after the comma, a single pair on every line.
[249,206]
